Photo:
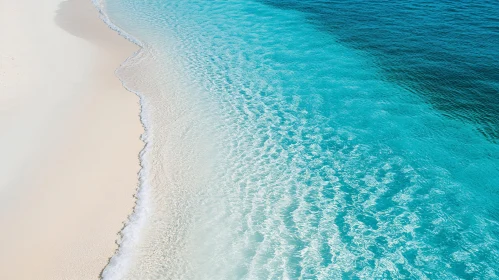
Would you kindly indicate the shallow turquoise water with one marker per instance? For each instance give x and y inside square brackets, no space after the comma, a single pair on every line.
[328,166]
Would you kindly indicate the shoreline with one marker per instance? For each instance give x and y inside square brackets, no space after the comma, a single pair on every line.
[74,141]
[127,235]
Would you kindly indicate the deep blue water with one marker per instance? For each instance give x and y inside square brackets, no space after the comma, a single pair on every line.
[355,140]
[447,51]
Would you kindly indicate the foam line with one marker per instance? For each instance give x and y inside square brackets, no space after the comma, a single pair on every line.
[129,234]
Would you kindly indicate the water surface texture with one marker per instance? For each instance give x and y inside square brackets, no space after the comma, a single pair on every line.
[445,50]
[313,140]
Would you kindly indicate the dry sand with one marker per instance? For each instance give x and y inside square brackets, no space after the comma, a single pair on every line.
[70,140]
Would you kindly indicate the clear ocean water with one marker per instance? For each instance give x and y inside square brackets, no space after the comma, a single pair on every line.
[306,139]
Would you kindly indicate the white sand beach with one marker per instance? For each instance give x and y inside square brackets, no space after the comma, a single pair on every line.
[70,140]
